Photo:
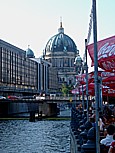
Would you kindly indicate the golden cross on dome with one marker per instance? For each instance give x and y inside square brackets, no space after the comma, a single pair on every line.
[60,22]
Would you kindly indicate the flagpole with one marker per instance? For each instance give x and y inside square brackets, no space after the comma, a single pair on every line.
[87,102]
[96,76]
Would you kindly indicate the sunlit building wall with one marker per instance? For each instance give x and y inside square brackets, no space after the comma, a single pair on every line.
[17,72]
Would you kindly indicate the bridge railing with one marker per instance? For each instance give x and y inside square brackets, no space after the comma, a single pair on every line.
[61,97]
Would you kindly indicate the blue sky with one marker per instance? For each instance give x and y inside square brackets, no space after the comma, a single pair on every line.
[34,22]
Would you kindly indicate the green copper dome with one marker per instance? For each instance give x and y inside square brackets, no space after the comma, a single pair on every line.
[60,42]
[29,53]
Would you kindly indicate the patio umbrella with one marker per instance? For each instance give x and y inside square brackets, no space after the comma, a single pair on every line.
[106,53]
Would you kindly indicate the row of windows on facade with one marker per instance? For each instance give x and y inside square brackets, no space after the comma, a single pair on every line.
[19,61]
[17,72]
[66,69]
[13,52]
[63,62]
[18,86]
[24,80]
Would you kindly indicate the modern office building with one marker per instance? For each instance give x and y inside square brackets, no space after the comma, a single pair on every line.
[61,51]
[23,74]
[17,72]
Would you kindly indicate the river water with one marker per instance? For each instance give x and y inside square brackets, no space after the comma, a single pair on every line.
[22,136]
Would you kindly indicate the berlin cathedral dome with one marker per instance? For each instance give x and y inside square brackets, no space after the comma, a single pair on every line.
[60,42]
[61,52]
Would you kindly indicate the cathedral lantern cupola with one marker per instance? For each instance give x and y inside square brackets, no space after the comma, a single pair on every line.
[61,29]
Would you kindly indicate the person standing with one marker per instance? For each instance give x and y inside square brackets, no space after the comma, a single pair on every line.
[112,146]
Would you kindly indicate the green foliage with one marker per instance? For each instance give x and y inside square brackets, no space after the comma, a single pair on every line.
[66,89]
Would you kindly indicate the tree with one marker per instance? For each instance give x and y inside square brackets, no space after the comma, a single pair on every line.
[66,89]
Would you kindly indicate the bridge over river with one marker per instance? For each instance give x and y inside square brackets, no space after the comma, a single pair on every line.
[40,100]
[46,107]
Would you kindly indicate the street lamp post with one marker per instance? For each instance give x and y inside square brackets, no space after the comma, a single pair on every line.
[100,93]
[83,99]
[78,64]
[78,68]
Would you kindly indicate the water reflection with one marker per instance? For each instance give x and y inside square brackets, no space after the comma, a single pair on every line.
[22,136]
